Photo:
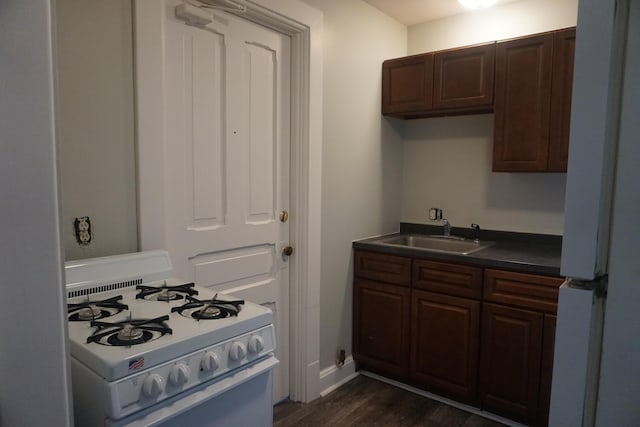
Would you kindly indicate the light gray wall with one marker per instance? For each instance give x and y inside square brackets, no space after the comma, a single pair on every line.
[362,154]
[34,364]
[509,20]
[447,161]
[96,124]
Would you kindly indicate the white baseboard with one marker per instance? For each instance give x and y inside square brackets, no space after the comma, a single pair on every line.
[333,377]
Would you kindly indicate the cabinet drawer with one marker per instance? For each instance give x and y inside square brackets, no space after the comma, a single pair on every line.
[528,291]
[383,268]
[451,279]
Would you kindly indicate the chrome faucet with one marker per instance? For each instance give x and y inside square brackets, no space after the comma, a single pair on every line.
[446,227]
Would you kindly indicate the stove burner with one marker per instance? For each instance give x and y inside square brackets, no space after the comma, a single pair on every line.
[209,309]
[209,312]
[128,336]
[93,310]
[89,313]
[165,293]
[129,332]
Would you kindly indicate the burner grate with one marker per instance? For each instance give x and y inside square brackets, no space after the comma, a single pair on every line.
[129,332]
[165,293]
[93,310]
[209,309]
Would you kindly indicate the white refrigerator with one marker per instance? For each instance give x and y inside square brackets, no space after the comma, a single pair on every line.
[596,374]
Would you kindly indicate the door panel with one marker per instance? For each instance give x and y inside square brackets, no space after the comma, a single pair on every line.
[381,327]
[235,266]
[445,341]
[203,71]
[564,46]
[226,169]
[522,103]
[510,361]
[260,80]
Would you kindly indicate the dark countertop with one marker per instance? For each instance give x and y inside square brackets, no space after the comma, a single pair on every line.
[523,252]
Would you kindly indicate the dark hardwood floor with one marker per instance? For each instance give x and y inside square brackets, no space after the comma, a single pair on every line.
[365,401]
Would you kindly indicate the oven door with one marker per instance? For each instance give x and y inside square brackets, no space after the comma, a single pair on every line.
[242,398]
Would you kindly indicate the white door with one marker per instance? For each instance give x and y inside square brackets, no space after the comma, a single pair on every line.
[226,161]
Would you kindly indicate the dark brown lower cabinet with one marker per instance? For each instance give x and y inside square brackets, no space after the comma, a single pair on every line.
[510,361]
[444,342]
[546,367]
[381,327]
[484,337]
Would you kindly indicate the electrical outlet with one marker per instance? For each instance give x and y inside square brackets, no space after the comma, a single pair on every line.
[82,230]
[435,214]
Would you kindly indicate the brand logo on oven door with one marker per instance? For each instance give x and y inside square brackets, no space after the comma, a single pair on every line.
[136,363]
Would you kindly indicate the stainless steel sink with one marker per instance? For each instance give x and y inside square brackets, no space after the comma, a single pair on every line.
[436,243]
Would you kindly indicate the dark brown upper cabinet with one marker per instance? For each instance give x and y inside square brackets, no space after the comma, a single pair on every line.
[407,84]
[533,102]
[449,82]
[564,46]
[463,78]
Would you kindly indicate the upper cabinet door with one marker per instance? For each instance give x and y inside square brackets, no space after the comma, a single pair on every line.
[464,77]
[407,84]
[522,103]
[561,85]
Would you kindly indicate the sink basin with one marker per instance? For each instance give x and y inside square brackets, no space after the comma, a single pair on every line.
[448,244]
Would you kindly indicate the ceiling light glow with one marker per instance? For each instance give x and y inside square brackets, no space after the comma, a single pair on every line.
[476,4]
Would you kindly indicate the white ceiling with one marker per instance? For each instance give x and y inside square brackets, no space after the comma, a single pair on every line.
[410,12]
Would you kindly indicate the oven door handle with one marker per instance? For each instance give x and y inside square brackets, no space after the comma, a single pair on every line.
[169,409]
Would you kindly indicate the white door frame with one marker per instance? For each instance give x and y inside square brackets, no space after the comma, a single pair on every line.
[304,25]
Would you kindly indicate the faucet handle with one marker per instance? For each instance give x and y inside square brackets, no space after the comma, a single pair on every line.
[446,227]
[476,232]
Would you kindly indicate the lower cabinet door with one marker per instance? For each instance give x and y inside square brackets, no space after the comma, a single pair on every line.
[546,370]
[381,327]
[510,361]
[445,337]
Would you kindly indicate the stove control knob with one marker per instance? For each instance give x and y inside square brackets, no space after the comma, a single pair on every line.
[238,351]
[153,386]
[179,374]
[210,362]
[256,344]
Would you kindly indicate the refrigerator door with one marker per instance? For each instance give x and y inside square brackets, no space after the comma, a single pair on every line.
[592,148]
[577,353]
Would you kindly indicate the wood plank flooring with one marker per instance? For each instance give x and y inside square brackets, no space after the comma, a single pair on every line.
[365,401]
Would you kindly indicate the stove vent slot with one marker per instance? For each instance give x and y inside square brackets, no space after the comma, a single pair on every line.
[104,288]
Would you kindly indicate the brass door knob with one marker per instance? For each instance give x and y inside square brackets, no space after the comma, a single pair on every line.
[287,251]
[284,216]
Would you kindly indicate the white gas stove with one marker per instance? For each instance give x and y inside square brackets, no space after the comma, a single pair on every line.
[148,349]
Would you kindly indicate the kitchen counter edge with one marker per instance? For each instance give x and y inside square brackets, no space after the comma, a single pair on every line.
[522,252]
